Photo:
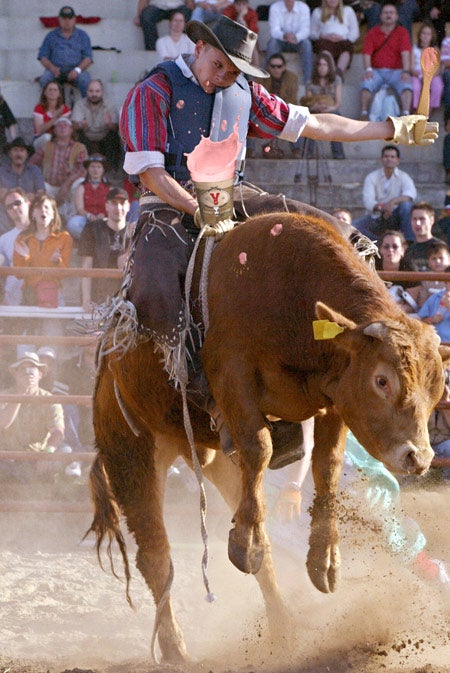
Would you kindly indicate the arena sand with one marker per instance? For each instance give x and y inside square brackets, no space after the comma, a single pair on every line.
[60,612]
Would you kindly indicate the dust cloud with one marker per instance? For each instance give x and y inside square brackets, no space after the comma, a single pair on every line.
[59,611]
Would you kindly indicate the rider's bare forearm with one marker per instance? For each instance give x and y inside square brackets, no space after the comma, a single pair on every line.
[168,190]
[334,127]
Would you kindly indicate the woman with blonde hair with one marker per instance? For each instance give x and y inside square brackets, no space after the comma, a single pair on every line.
[334,28]
[43,244]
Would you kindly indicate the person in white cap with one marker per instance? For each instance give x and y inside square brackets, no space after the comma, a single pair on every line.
[30,426]
[62,161]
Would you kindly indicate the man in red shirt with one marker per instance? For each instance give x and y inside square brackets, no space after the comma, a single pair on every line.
[387,60]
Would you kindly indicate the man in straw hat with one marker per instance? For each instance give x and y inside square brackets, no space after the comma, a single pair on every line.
[38,427]
[166,115]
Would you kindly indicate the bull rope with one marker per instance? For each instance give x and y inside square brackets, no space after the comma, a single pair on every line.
[182,380]
[210,597]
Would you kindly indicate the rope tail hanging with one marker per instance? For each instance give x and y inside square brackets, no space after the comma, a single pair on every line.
[210,597]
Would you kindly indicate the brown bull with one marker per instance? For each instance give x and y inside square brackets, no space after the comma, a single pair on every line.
[381,376]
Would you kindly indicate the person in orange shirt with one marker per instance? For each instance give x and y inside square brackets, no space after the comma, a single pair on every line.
[43,244]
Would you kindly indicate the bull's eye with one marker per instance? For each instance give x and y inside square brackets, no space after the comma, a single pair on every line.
[381,382]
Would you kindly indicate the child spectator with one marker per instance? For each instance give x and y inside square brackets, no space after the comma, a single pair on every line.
[436,311]
[89,197]
[438,259]
[50,108]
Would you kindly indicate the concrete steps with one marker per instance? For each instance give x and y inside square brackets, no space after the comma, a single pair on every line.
[21,34]
[339,182]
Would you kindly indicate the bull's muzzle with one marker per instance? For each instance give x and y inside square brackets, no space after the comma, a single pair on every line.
[416,460]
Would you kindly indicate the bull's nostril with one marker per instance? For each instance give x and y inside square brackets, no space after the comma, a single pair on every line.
[410,461]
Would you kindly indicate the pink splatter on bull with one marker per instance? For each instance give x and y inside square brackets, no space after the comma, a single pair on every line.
[276,229]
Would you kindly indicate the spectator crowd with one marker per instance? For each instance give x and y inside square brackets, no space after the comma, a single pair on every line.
[66,201]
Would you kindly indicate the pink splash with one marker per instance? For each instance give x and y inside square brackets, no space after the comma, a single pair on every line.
[180,104]
[276,229]
[242,258]
[214,160]
[267,148]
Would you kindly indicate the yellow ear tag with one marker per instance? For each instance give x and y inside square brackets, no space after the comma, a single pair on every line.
[325,329]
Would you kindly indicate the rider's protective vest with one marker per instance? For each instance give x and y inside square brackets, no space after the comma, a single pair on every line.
[215,115]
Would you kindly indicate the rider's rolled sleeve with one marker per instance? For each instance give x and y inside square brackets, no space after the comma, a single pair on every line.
[298,116]
[138,162]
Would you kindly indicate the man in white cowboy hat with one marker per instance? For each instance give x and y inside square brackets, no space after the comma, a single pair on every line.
[37,427]
[165,116]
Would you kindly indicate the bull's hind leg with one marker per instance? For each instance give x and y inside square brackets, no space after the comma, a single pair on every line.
[135,474]
[144,513]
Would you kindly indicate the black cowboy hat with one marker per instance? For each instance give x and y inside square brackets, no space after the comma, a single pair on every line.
[234,40]
[19,142]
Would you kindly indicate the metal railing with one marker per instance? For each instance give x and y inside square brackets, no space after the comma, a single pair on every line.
[15,339]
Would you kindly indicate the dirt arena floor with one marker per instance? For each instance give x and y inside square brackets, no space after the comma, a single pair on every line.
[60,612]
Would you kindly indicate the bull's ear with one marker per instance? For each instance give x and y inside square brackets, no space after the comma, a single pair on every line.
[444,352]
[377,330]
[324,312]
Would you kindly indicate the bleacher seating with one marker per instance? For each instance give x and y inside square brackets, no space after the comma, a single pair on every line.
[21,33]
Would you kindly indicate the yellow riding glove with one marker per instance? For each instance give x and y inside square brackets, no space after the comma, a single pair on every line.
[413,130]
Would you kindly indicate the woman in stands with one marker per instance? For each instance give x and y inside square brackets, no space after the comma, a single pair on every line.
[392,249]
[89,197]
[426,37]
[335,28]
[324,94]
[43,244]
[50,108]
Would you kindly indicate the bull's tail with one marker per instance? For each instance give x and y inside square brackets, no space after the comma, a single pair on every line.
[106,522]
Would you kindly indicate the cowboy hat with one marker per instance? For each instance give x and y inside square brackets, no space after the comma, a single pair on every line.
[234,40]
[32,359]
[20,142]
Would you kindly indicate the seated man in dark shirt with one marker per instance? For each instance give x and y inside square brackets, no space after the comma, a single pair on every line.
[101,246]
[422,221]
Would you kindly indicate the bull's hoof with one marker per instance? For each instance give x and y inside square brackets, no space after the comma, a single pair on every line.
[246,558]
[325,578]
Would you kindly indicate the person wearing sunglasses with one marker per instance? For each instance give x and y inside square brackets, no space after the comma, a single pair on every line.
[283,83]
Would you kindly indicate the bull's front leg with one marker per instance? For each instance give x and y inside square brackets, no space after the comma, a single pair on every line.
[323,560]
[248,539]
